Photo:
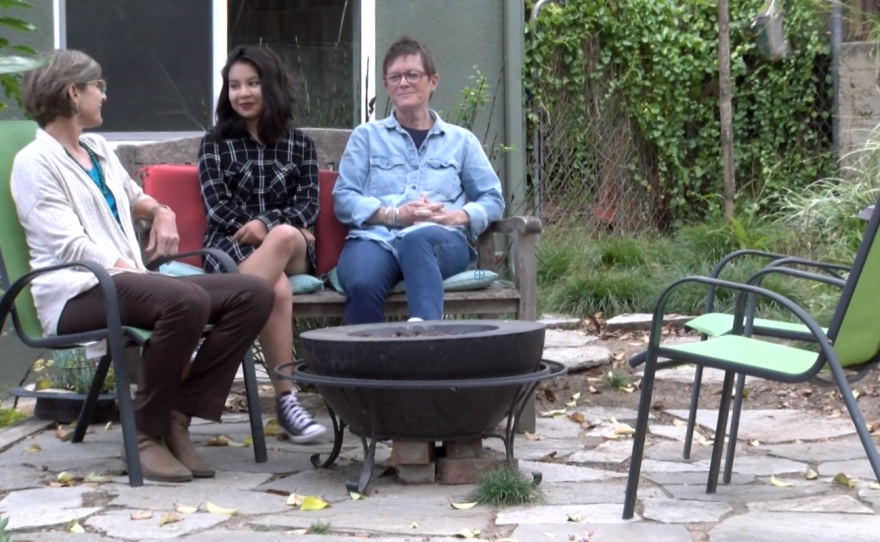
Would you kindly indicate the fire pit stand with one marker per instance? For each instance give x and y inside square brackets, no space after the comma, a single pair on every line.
[368,389]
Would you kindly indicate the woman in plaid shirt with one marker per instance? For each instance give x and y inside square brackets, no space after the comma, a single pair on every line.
[259,180]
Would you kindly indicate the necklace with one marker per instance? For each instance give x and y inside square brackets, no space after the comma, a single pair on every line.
[102,186]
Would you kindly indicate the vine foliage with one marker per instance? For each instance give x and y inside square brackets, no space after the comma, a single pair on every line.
[653,64]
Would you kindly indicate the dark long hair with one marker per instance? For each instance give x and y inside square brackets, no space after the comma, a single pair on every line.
[279,96]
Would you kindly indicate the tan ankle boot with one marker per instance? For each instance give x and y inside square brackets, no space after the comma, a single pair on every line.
[181,446]
[157,462]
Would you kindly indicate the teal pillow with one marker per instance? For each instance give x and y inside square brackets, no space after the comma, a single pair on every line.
[301,284]
[180,269]
[466,280]
[305,284]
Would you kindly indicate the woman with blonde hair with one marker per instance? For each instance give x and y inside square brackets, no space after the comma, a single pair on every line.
[75,201]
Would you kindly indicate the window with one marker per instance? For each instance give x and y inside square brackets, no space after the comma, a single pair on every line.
[156,57]
[162,58]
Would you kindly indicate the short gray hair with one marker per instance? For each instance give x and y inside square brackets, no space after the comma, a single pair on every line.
[44,90]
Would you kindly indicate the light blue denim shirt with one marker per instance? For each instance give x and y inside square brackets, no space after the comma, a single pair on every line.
[382,167]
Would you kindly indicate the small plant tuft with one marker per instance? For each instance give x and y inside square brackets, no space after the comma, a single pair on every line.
[613,379]
[505,486]
[4,535]
[319,527]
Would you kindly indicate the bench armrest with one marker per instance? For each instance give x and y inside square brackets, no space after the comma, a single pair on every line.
[524,230]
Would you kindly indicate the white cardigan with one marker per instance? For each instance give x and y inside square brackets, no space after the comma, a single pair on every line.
[66,218]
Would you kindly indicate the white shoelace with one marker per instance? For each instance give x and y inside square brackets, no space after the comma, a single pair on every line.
[293,411]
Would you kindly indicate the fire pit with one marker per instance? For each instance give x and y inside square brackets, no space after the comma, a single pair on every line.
[428,381]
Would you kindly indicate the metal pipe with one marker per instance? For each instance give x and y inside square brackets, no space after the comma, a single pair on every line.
[836,39]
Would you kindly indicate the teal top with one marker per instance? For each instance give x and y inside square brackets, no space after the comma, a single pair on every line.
[97,175]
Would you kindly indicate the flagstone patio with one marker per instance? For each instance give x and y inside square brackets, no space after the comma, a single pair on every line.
[583,480]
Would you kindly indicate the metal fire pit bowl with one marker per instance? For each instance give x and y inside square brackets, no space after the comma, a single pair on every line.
[427,381]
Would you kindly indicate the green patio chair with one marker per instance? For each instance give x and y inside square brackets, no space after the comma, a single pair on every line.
[16,299]
[716,324]
[854,333]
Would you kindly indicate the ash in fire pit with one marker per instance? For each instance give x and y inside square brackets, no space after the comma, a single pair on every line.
[422,331]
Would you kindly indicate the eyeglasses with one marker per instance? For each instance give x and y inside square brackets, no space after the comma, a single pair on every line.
[100,83]
[412,77]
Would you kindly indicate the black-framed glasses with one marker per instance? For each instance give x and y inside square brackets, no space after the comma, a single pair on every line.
[412,77]
[100,83]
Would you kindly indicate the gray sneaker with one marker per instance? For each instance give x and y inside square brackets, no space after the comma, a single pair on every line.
[295,421]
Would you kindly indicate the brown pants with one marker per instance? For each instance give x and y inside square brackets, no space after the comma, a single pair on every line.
[177,310]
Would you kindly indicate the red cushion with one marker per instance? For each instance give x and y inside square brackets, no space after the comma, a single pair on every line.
[329,231]
[178,187]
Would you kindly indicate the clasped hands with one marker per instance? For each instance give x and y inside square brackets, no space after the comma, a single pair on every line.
[422,210]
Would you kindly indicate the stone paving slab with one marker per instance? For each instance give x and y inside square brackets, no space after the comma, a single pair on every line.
[796,527]
[534,450]
[612,451]
[554,338]
[860,468]
[579,358]
[777,426]
[556,472]
[329,484]
[560,514]
[671,451]
[45,506]
[242,460]
[23,477]
[222,480]
[393,511]
[118,524]
[561,493]
[682,511]
[604,532]
[667,479]
[746,493]
[843,504]
[819,452]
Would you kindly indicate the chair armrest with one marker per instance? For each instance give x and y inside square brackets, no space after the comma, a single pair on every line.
[758,277]
[227,263]
[111,299]
[524,229]
[830,268]
[516,224]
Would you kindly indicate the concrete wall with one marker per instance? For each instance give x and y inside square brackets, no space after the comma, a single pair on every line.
[461,34]
[859,96]
[40,16]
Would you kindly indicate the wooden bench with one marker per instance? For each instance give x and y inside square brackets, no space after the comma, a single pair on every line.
[521,300]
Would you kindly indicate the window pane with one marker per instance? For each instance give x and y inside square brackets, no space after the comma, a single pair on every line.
[315,39]
[156,57]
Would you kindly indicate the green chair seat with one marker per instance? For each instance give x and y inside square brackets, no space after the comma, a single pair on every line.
[750,354]
[716,324]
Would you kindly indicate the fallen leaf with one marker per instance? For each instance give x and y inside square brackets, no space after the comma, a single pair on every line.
[874,485]
[272,428]
[856,394]
[571,404]
[624,429]
[142,514]
[574,517]
[249,441]
[607,438]
[625,389]
[679,423]
[550,395]
[463,505]
[779,483]
[811,474]
[214,509]
[593,390]
[414,525]
[74,527]
[467,533]
[33,448]
[97,479]
[58,484]
[873,426]
[355,496]
[754,443]
[578,417]
[169,518]
[217,441]
[548,458]
[235,444]
[575,397]
[109,426]
[844,480]
[63,434]
[297,531]
[805,392]
[313,503]
[64,477]
[183,509]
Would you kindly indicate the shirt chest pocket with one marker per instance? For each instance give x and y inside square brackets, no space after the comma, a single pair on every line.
[282,181]
[443,177]
[387,175]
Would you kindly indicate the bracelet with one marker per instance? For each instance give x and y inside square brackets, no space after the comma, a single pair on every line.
[385,218]
[153,210]
[396,217]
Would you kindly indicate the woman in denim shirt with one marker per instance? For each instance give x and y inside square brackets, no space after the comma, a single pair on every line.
[412,189]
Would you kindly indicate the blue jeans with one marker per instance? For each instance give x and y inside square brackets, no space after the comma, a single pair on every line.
[425,257]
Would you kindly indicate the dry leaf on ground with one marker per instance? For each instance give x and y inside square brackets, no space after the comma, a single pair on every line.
[183,509]
[97,479]
[811,474]
[272,428]
[63,434]
[463,505]
[294,499]
[33,448]
[169,518]
[214,509]
[313,503]
[141,514]
[844,480]
[467,533]
[779,483]
[74,527]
